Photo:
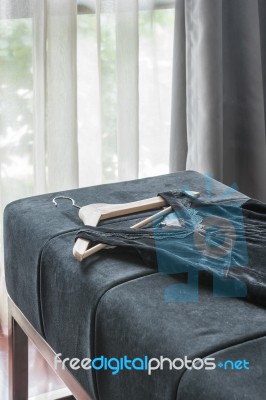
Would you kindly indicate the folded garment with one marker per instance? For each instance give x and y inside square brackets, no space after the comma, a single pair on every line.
[226,238]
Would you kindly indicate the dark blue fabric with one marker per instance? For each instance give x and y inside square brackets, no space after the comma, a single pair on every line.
[229,384]
[32,223]
[113,302]
[135,319]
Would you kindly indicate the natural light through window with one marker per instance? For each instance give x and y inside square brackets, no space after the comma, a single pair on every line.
[97,98]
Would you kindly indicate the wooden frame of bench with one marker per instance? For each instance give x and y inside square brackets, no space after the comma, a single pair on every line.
[20,330]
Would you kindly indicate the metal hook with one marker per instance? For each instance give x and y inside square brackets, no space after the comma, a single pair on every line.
[65,197]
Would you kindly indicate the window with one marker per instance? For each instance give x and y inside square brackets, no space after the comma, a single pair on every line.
[156,30]
[16,88]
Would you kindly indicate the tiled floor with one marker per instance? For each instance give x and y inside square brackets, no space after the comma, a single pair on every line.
[41,378]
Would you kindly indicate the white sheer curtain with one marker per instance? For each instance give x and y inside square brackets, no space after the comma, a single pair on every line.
[38,138]
[124,62]
[85,94]
[55,95]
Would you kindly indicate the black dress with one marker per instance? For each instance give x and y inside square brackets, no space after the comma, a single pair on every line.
[225,239]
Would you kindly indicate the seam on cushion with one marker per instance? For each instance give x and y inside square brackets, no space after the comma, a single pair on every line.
[93,333]
[113,221]
[39,265]
[202,355]
[39,276]
[217,351]
[95,318]
[48,241]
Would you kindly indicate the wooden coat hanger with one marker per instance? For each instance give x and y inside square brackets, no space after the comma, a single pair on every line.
[93,213]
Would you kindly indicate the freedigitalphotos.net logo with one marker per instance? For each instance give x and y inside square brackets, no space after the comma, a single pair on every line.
[149,365]
[207,234]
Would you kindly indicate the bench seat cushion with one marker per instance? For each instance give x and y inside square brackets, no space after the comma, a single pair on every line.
[113,303]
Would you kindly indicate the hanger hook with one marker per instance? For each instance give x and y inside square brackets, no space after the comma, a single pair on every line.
[65,197]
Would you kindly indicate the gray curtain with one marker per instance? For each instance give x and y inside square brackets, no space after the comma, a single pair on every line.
[219,91]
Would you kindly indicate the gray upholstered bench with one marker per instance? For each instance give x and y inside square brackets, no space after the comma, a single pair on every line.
[113,305]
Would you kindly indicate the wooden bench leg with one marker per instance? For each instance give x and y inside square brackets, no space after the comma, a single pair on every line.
[18,361]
